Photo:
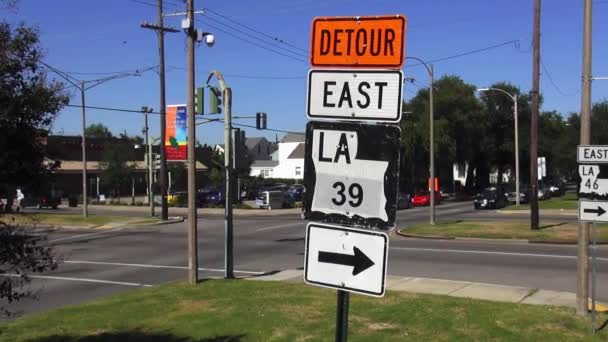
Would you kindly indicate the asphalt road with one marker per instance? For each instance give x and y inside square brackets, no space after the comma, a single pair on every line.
[100,263]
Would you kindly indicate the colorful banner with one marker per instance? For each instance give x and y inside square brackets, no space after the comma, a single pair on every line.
[175,135]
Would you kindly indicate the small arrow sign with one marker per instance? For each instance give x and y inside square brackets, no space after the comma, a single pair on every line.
[359,261]
[345,258]
[592,211]
[599,211]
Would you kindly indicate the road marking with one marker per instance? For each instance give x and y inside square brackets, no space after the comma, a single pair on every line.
[86,280]
[303,224]
[467,251]
[153,266]
[83,235]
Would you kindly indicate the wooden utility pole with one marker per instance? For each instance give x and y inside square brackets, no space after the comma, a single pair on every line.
[534,119]
[582,283]
[160,30]
[192,232]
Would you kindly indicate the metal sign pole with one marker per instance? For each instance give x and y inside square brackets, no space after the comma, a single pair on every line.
[593,275]
[342,316]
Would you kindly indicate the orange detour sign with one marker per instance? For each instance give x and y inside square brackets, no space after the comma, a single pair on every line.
[369,42]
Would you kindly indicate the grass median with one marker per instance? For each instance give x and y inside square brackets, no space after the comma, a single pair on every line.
[568,201]
[59,219]
[240,310]
[549,231]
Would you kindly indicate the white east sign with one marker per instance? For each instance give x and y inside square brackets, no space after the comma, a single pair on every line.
[355,95]
[592,154]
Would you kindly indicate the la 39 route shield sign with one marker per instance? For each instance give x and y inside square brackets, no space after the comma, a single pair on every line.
[351,173]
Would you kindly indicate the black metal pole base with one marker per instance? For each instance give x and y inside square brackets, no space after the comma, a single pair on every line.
[342,316]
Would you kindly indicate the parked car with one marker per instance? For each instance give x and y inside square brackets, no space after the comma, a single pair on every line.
[511,196]
[48,201]
[543,192]
[490,198]
[296,192]
[424,198]
[556,190]
[404,201]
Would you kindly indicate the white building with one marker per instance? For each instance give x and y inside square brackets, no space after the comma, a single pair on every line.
[287,161]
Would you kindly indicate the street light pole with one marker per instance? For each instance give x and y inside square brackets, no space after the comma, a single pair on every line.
[431,144]
[515,116]
[85,209]
[429,69]
[83,86]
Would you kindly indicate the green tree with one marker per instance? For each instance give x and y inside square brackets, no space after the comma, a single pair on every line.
[29,105]
[456,128]
[97,130]
[116,165]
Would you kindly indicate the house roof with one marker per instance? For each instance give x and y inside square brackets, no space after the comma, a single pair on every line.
[251,143]
[298,152]
[264,163]
[293,137]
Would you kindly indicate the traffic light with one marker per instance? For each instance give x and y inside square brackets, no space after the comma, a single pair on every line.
[215,100]
[260,120]
[156,164]
[240,153]
[199,100]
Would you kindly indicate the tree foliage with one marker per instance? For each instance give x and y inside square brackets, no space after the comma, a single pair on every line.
[479,131]
[28,104]
[21,253]
[97,130]
[117,164]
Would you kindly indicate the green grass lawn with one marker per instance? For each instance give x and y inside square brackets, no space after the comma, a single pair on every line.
[568,201]
[71,220]
[240,310]
[550,231]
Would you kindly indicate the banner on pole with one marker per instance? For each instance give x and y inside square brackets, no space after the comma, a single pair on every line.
[176,133]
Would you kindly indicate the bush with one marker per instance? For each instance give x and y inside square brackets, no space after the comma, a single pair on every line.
[21,253]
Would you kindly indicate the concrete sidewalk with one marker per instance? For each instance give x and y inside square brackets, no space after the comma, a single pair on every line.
[464,289]
[177,211]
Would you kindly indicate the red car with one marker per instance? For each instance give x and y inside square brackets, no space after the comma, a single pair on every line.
[424,198]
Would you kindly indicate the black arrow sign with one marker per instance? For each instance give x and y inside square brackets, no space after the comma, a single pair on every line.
[359,260]
[599,211]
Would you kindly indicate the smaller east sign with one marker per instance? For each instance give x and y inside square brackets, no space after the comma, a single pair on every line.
[355,95]
[359,41]
[175,134]
[592,154]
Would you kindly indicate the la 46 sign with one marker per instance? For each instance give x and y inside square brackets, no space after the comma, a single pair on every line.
[351,173]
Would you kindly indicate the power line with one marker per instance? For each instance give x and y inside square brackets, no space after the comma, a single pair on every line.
[174,67]
[553,83]
[110,72]
[467,53]
[256,44]
[276,39]
[158,113]
[257,38]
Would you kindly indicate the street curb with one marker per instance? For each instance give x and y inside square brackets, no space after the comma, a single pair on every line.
[564,212]
[171,220]
[290,275]
[176,219]
[544,242]
[427,237]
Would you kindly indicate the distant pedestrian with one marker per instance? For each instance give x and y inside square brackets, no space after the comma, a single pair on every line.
[20,198]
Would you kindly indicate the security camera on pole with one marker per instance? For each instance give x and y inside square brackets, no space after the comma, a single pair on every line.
[351,165]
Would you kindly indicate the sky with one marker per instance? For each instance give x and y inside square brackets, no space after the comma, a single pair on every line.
[95,38]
